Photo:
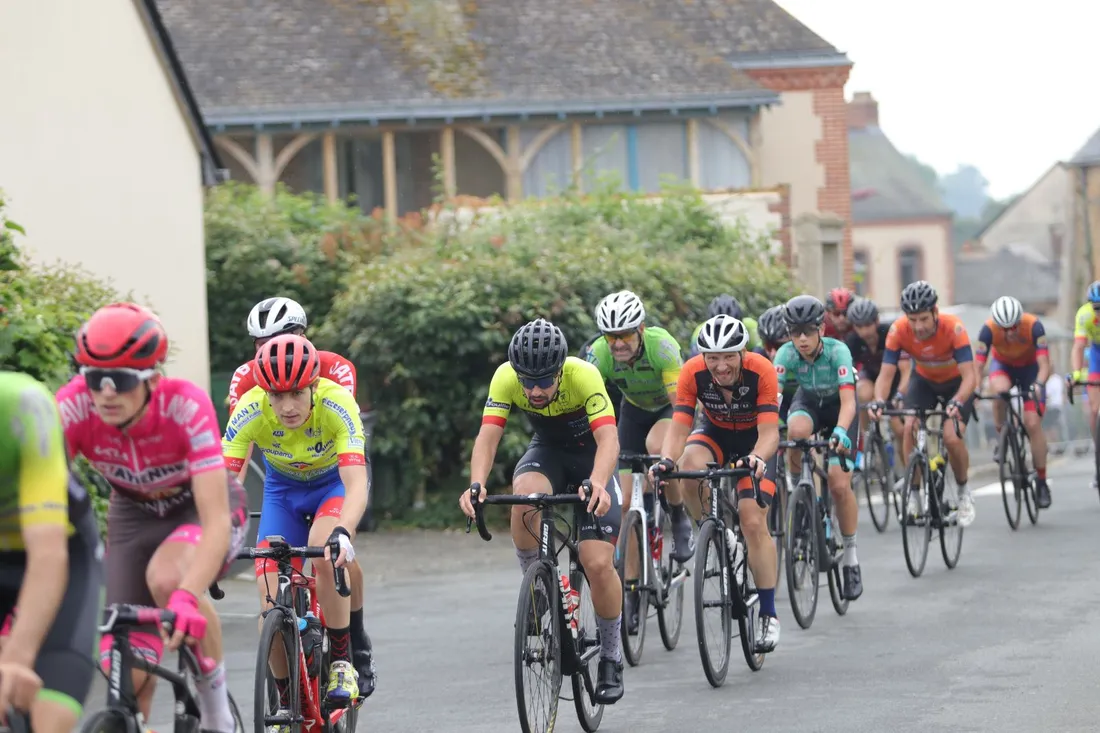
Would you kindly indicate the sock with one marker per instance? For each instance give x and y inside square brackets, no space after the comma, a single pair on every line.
[283,686]
[340,644]
[964,490]
[358,631]
[767,601]
[795,477]
[527,558]
[1041,473]
[611,640]
[213,693]
[850,550]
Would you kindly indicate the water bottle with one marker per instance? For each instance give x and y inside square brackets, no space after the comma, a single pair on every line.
[737,561]
[310,628]
[571,601]
[890,453]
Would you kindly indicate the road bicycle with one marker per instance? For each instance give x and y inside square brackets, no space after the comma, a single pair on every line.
[1019,484]
[645,562]
[937,499]
[813,534]
[556,634]
[121,714]
[875,476]
[1072,386]
[721,554]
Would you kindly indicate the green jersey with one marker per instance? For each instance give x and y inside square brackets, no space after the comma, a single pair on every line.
[750,324]
[647,381]
[822,378]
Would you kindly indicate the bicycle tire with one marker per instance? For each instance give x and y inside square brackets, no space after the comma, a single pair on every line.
[951,551]
[747,621]
[111,720]
[801,536]
[1010,474]
[1031,489]
[235,711]
[777,525]
[670,613]
[836,552]
[923,537]
[710,541]
[632,532]
[589,712]
[539,580]
[875,466]
[277,625]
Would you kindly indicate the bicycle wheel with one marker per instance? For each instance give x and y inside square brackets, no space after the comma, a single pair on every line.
[802,561]
[835,552]
[238,721]
[632,537]
[1028,485]
[874,481]
[1010,475]
[747,622]
[538,649]
[587,645]
[918,529]
[279,635]
[111,720]
[712,564]
[947,502]
[673,576]
[777,526]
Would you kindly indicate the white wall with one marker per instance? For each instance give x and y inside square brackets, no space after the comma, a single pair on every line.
[98,162]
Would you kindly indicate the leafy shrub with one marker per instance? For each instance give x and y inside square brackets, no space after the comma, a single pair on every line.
[428,325]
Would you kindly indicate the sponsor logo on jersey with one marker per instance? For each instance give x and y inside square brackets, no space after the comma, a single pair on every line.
[494,405]
[203,440]
[595,404]
[344,415]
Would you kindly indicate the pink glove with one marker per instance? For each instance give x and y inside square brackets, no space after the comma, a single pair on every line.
[188,619]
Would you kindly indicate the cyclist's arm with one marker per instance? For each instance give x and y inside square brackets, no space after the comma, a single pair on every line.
[1042,352]
[1080,338]
[683,416]
[889,365]
[237,441]
[356,490]
[210,491]
[905,366]
[964,357]
[985,343]
[498,406]
[669,361]
[351,456]
[767,414]
[606,461]
[846,381]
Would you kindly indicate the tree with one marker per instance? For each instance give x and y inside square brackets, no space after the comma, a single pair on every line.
[965,191]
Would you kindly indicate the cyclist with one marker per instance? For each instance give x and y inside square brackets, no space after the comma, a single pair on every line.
[944,374]
[574,439]
[826,397]
[614,394]
[273,317]
[727,305]
[1086,337]
[1015,344]
[312,439]
[773,334]
[867,342]
[836,307]
[738,392]
[176,518]
[51,562]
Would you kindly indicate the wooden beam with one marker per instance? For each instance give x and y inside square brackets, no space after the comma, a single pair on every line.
[513,171]
[265,163]
[240,155]
[447,154]
[576,135]
[389,174]
[692,133]
[330,167]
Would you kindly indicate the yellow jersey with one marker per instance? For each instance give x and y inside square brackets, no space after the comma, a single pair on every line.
[34,467]
[1086,324]
[332,436]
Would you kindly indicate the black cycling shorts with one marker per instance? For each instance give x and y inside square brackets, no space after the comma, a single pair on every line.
[634,426]
[873,377]
[66,662]
[566,468]
[728,446]
[825,414]
[928,395]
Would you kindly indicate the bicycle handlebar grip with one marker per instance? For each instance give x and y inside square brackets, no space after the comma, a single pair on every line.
[216,592]
[586,496]
[1069,388]
[479,514]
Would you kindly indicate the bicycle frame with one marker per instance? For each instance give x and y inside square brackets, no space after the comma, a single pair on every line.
[920,450]
[811,468]
[639,470]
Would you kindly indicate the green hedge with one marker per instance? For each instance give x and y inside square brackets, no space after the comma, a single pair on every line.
[428,324]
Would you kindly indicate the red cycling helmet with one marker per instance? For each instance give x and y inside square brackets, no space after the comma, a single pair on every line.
[287,363]
[122,336]
[838,300]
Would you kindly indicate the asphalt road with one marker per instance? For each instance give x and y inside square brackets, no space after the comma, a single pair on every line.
[1004,642]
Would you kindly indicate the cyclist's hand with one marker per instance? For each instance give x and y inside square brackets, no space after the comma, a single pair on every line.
[897,400]
[600,501]
[840,441]
[464,502]
[341,538]
[190,625]
[1080,376]
[755,462]
[19,686]
[954,408]
[875,408]
[663,466]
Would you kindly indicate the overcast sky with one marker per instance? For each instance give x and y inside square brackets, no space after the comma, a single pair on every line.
[1008,87]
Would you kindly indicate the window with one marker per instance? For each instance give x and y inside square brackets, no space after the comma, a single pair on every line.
[910,265]
[861,266]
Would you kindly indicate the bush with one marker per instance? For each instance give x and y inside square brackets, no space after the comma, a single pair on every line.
[257,246]
[428,325]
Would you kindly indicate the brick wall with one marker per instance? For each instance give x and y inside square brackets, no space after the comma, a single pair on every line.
[827,85]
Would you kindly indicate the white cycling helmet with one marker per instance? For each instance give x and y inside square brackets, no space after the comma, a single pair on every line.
[722,334]
[618,312]
[1007,311]
[274,316]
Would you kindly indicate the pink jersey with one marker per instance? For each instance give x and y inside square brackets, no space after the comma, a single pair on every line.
[153,461]
[333,366]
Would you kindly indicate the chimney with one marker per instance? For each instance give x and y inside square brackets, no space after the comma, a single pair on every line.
[862,111]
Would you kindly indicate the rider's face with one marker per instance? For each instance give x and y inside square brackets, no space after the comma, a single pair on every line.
[923,323]
[292,408]
[725,368]
[624,345]
[806,339]
[118,408]
[868,332]
[539,393]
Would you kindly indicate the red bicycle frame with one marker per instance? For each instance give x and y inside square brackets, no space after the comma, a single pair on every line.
[311,686]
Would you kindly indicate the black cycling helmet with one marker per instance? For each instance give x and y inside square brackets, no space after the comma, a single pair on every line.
[863,312]
[725,305]
[918,297]
[538,349]
[771,326]
[803,310]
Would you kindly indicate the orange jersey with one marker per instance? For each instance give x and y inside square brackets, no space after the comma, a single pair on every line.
[755,397]
[333,366]
[937,358]
[1015,347]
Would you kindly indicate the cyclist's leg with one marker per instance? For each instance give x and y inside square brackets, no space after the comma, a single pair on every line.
[896,426]
[706,444]
[634,425]
[539,471]
[955,445]
[1000,380]
[754,520]
[921,395]
[63,659]
[865,393]
[1093,352]
[1024,378]
[847,508]
[683,541]
[801,423]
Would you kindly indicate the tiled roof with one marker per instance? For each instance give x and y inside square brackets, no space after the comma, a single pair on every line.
[397,58]
[885,183]
[981,280]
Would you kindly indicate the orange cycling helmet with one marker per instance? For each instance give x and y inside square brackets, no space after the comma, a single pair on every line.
[122,336]
[287,363]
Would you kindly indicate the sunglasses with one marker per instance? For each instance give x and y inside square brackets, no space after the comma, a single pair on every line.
[619,336]
[120,380]
[538,382]
[802,330]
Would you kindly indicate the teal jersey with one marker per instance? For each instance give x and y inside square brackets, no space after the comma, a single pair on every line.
[647,381]
[824,377]
[750,324]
